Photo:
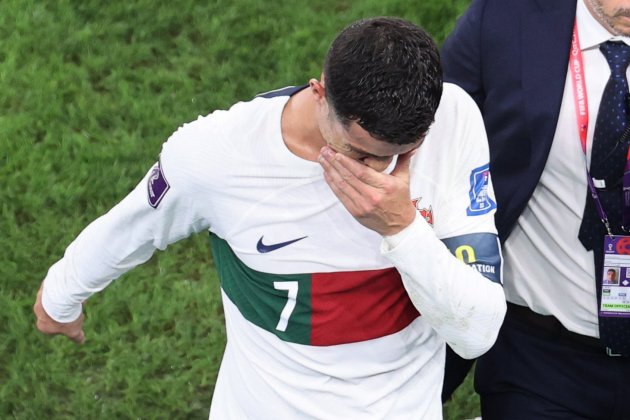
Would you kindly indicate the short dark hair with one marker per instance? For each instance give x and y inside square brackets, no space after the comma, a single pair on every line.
[385,74]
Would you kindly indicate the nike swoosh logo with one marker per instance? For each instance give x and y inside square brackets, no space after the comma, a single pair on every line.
[263,249]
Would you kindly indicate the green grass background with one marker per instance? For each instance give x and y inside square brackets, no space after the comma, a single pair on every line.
[89,90]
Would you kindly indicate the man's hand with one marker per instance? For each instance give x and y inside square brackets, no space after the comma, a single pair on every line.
[73,330]
[378,201]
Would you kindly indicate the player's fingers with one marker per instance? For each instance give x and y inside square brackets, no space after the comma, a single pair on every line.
[401,170]
[346,194]
[331,161]
[353,172]
[358,197]
[335,174]
[74,330]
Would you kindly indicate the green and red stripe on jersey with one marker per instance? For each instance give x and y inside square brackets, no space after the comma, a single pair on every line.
[319,309]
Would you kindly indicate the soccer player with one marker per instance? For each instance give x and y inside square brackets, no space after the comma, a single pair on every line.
[351,239]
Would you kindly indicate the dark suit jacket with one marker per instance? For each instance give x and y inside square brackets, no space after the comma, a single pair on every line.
[512,57]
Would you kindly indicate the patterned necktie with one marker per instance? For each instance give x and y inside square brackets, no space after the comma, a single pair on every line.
[608,157]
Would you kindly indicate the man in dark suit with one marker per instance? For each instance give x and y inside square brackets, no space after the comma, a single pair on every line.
[555,357]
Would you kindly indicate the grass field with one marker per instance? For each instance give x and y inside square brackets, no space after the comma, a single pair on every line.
[88,92]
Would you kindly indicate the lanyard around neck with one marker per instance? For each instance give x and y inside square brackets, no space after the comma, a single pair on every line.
[576,67]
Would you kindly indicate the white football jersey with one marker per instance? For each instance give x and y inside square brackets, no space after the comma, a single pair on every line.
[325,319]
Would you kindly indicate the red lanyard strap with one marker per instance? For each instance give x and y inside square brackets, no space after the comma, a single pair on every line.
[576,67]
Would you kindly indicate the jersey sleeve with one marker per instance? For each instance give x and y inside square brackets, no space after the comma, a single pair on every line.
[467,203]
[461,305]
[163,208]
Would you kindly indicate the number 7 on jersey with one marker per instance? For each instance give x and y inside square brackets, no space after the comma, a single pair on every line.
[292,288]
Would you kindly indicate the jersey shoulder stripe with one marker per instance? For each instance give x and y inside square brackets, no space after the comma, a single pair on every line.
[286,91]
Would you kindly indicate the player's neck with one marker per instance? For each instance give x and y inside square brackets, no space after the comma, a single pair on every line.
[300,131]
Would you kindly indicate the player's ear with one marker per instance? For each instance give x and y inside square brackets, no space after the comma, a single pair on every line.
[317,89]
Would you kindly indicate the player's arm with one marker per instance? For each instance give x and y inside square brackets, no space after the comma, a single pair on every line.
[464,303]
[160,210]
[456,280]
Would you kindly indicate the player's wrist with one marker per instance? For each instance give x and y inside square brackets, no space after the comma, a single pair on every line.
[396,236]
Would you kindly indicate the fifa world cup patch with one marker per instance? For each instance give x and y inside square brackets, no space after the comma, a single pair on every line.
[157,186]
[480,201]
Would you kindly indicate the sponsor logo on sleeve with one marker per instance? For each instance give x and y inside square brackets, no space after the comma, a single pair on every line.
[480,201]
[157,186]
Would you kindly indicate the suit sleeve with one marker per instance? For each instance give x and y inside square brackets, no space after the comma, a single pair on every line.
[461,52]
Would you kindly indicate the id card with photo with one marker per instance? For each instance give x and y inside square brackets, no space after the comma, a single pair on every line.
[616,277]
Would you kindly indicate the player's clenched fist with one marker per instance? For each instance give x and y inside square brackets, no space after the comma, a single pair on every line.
[73,330]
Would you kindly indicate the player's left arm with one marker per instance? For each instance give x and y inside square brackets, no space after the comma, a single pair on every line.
[461,299]
[456,281]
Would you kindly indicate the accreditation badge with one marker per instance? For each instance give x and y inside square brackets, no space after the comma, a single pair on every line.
[616,277]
